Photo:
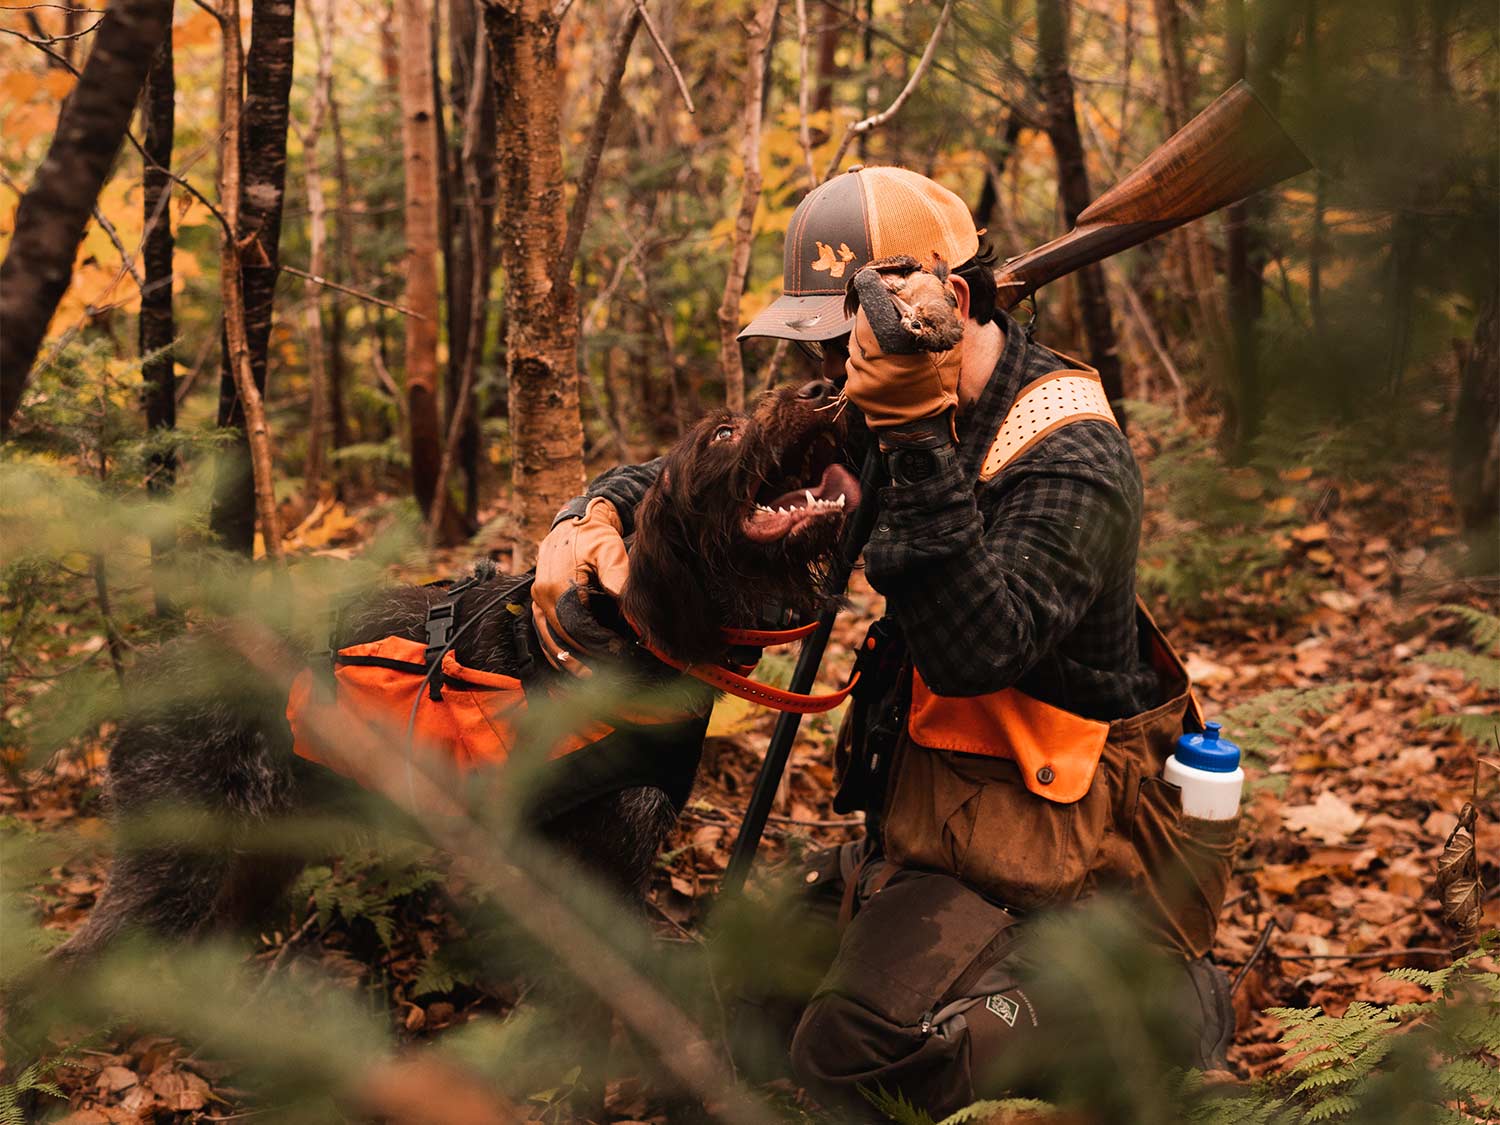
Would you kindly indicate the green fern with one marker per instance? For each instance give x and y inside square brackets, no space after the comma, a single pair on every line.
[896,1106]
[1262,723]
[35,1078]
[367,887]
[1481,668]
[1484,627]
[443,972]
[987,1109]
[1343,1064]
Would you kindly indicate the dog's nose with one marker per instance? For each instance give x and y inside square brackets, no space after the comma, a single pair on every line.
[817,392]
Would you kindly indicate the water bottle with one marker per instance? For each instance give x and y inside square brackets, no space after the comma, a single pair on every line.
[1207,770]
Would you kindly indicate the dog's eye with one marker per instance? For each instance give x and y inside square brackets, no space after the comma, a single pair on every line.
[724,433]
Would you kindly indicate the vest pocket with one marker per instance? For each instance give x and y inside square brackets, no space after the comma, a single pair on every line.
[973,817]
[1186,865]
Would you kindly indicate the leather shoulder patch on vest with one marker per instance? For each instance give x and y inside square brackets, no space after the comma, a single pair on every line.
[1046,405]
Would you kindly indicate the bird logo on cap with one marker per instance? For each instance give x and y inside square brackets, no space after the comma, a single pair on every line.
[827,262]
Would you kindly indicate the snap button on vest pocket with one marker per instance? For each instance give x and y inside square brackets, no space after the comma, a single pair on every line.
[1045,775]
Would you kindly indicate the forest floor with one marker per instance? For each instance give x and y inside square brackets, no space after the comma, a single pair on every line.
[1343,825]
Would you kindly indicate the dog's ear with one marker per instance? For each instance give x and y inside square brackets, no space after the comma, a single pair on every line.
[667,594]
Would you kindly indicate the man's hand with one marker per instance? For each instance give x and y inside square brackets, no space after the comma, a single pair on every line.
[577,554]
[894,377]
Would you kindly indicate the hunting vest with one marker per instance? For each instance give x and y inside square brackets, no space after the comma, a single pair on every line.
[418,696]
[1036,806]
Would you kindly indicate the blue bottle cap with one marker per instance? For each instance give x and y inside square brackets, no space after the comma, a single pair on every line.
[1207,751]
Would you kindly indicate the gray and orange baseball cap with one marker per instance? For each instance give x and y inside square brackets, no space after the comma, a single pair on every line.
[864,214]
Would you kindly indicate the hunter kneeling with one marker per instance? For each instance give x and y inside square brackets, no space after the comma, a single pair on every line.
[1017,705]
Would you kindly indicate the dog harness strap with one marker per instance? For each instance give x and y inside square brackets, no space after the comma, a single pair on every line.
[726,680]
[756,692]
[763,638]
[442,617]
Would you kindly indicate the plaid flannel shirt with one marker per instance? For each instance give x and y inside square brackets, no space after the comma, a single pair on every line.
[1024,580]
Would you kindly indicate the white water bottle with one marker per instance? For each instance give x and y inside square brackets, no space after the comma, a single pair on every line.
[1207,770]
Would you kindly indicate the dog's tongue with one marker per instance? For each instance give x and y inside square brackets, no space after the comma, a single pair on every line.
[836,495]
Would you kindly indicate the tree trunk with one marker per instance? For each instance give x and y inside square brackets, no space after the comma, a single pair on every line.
[262,189]
[1247,400]
[1194,255]
[419,146]
[317,237]
[731,361]
[1073,189]
[157,330]
[541,338]
[231,287]
[338,307]
[473,159]
[1475,461]
[53,212]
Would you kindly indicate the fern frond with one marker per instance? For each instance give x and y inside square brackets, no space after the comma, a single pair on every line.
[984,1109]
[1477,666]
[1263,722]
[894,1104]
[1484,628]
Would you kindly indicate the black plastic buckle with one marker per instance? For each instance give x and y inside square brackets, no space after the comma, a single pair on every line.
[441,618]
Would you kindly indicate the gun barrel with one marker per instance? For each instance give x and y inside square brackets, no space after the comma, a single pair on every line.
[1232,149]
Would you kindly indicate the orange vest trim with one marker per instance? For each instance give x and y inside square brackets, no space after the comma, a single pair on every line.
[474,723]
[1056,751]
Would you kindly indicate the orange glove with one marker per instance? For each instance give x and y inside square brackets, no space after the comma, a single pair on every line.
[891,381]
[576,555]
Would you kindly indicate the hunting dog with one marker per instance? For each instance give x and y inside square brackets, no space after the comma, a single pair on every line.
[746,513]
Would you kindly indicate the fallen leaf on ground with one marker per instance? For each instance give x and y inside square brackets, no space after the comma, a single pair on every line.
[1329,818]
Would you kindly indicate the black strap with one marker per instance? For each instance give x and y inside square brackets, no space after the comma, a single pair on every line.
[442,619]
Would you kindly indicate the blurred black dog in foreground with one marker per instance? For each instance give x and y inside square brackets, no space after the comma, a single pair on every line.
[746,513]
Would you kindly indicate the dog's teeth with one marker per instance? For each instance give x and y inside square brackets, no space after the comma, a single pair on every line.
[840,500]
[808,493]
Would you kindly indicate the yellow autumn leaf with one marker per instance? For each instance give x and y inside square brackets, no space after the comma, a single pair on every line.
[732,715]
[58,84]
[20,85]
[198,29]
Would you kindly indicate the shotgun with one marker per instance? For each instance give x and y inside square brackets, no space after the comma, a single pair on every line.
[1232,149]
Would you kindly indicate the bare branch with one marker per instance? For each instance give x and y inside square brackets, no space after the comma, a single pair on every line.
[46,40]
[874,121]
[127,259]
[368,298]
[666,55]
[609,101]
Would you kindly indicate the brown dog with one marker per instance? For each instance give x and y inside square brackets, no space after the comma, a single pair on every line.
[746,513]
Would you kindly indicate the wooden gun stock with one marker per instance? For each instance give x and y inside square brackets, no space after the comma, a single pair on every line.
[1230,150]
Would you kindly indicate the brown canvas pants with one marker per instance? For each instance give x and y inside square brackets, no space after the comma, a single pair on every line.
[927,996]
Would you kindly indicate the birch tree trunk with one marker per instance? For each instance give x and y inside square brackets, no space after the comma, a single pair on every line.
[157,329]
[338,307]
[262,138]
[420,155]
[541,315]
[1073,188]
[317,237]
[762,19]
[53,212]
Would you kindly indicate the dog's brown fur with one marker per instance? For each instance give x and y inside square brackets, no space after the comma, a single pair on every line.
[693,571]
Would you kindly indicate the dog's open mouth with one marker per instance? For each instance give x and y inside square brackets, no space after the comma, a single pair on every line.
[809,487]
